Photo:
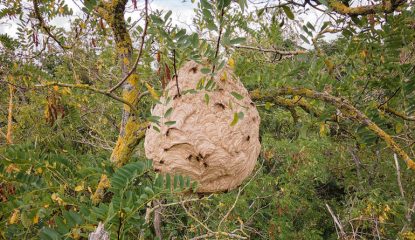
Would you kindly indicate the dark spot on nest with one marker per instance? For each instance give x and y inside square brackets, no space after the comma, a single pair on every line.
[252,104]
[205,165]
[189,157]
[248,138]
[156,170]
[199,157]
[165,149]
[161,161]
[193,69]
[220,105]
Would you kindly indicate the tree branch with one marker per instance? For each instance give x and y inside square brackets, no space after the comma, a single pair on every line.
[343,105]
[88,88]
[396,113]
[277,51]
[387,6]
[45,27]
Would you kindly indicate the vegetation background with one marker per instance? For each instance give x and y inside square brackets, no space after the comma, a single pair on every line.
[337,128]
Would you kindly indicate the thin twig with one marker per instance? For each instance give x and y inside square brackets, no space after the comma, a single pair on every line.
[175,72]
[230,209]
[393,95]
[398,173]
[44,26]
[218,41]
[336,222]
[89,88]
[269,50]
[140,53]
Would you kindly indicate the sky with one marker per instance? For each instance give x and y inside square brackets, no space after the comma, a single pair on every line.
[182,15]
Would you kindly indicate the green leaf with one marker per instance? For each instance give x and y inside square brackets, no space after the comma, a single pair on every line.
[168,181]
[168,112]
[288,12]
[304,39]
[242,4]
[241,115]
[157,20]
[310,26]
[167,16]
[49,234]
[205,70]
[268,105]
[207,99]
[153,119]
[181,180]
[89,5]
[237,95]
[237,40]
[156,128]
[148,191]
[169,123]
[325,25]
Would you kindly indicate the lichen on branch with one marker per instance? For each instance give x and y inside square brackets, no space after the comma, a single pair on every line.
[344,106]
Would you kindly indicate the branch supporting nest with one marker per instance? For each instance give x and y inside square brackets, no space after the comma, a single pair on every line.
[345,107]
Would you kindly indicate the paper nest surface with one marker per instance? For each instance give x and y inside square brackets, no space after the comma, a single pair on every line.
[210,133]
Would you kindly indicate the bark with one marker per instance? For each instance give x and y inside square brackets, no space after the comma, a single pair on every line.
[131,129]
[387,6]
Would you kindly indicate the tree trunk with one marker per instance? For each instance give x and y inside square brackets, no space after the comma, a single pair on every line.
[131,129]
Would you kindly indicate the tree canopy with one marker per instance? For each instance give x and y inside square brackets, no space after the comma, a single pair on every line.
[333,80]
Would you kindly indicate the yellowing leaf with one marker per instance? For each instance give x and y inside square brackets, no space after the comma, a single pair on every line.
[55,197]
[12,168]
[36,219]
[224,77]
[153,92]
[363,54]
[322,129]
[398,127]
[235,119]
[15,216]
[66,91]
[76,233]
[329,65]
[126,61]
[231,63]
[80,187]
